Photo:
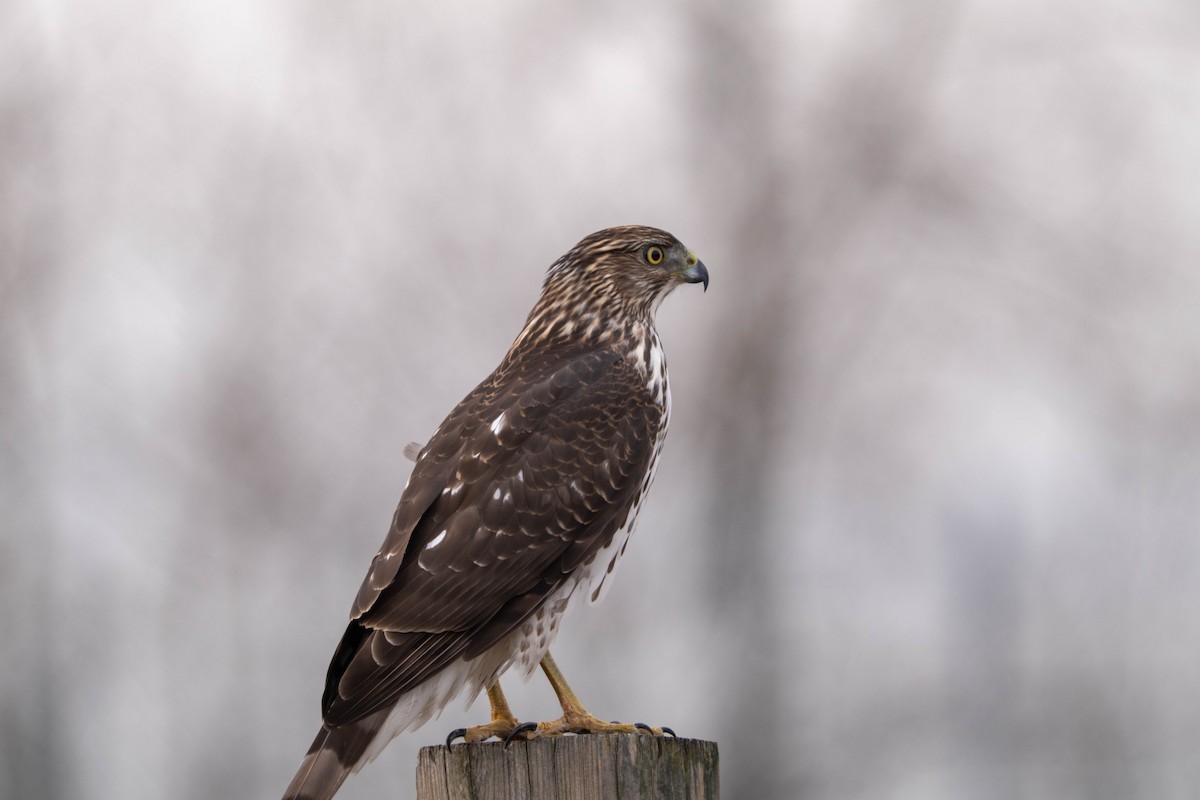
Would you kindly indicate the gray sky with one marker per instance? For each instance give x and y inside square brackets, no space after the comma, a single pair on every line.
[925,525]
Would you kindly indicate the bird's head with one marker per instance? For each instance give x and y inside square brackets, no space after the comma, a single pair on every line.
[610,282]
[626,269]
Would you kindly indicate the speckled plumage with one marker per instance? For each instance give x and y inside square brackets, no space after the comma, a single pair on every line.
[517,508]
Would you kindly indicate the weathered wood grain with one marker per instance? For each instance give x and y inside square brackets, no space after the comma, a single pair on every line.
[595,767]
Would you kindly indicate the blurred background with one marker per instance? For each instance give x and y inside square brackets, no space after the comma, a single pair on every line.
[926,523]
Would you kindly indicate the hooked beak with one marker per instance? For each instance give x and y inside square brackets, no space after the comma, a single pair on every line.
[696,273]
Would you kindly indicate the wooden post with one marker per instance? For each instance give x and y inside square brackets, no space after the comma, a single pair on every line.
[592,767]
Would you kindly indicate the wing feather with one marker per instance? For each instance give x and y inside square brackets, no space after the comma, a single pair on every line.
[529,477]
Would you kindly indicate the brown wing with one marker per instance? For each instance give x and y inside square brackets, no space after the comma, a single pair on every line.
[526,480]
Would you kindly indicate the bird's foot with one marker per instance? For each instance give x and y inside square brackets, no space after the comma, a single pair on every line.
[581,723]
[503,728]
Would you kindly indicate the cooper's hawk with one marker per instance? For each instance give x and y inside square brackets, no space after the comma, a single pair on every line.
[518,507]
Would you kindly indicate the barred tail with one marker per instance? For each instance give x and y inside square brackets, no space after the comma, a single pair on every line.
[334,754]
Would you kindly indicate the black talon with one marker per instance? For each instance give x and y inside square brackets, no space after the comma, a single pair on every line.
[641,726]
[454,734]
[524,727]
[665,729]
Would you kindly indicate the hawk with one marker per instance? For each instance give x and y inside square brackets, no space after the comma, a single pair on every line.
[517,509]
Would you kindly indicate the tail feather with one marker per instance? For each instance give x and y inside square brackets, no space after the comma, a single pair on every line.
[334,754]
[341,750]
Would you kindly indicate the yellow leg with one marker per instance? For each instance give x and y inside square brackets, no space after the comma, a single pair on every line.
[570,702]
[576,718]
[502,725]
[499,704]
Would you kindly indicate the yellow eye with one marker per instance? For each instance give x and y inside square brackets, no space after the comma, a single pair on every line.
[654,255]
